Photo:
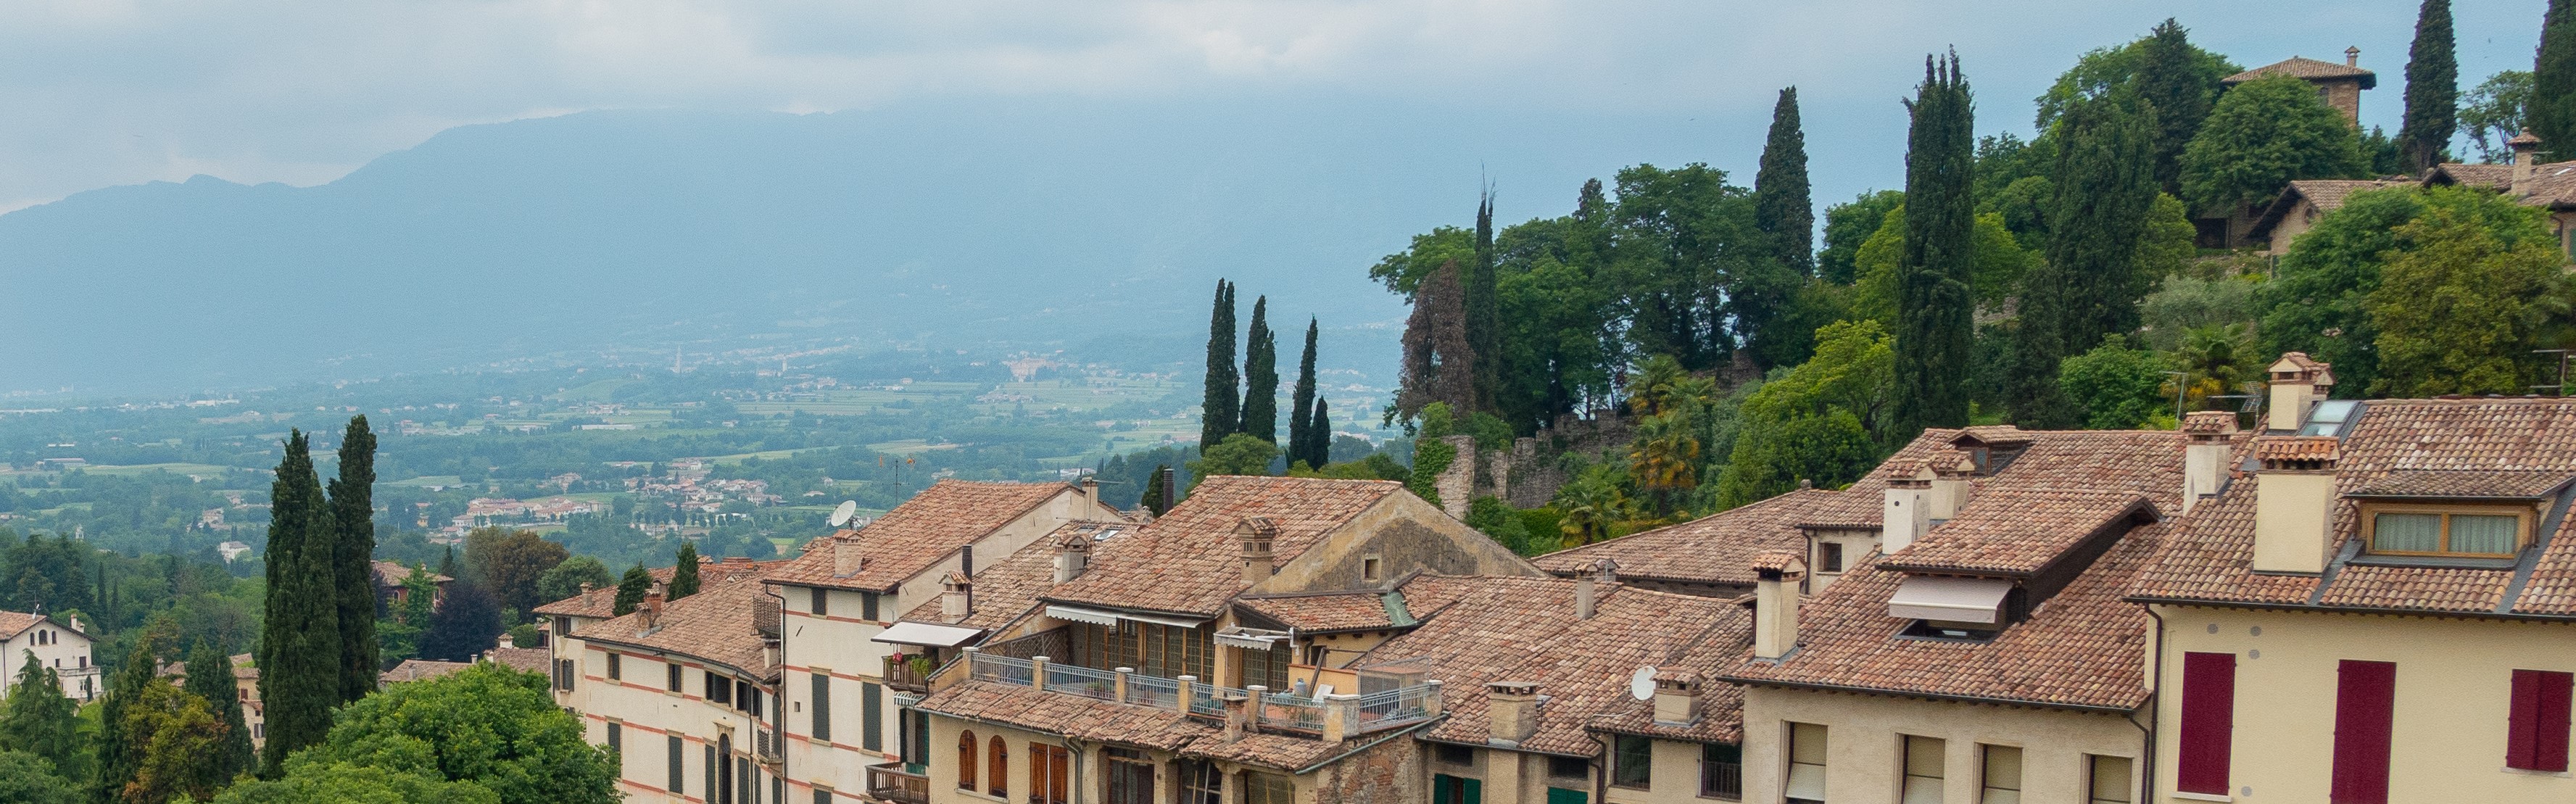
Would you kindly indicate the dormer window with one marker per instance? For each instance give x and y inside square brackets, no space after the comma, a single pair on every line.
[2447,531]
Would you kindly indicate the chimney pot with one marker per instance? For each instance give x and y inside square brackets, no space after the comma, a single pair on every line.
[1676,696]
[2297,381]
[1951,481]
[1511,710]
[1775,604]
[2207,436]
[585,587]
[651,608]
[1256,534]
[1090,497]
[1907,511]
[1072,556]
[956,598]
[1583,597]
[2352,56]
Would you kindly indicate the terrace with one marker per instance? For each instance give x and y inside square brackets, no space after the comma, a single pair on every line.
[1331,717]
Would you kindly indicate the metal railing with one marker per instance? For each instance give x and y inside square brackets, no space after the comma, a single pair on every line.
[1154,691]
[891,783]
[1279,710]
[1397,706]
[1083,681]
[1293,711]
[1004,669]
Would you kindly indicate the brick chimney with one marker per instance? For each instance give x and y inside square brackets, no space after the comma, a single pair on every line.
[651,608]
[1676,696]
[1511,710]
[2526,162]
[2352,56]
[1090,497]
[1256,534]
[1908,510]
[1775,603]
[846,559]
[2205,435]
[2297,381]
[1072,556]
[586,587]
[2293,503]
[1951,479]
[956,598]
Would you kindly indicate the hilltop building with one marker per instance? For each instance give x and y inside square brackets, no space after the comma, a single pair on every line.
[57,643]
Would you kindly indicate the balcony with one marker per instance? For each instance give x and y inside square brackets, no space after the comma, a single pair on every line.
[889,782]
[1272,711]
[901,674]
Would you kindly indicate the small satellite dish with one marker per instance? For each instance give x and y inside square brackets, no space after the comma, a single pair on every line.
[841,516]
[1641,684]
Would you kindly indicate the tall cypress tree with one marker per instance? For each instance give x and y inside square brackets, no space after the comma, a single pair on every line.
[631,589]
[1261,376]
[684,571]
[210,676]
[1319,434]
[2170,81]
[119,759]
[353,549]
[2551,112]
[1484,316]
[2089,285]
[1934,306]
[1220,413]
[299,677]
[1782,206]
[1301,404]
[2432,89]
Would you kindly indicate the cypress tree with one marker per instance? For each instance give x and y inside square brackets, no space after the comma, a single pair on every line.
[2169,81]
[1483,302]
[39,719]
[300,675]
[1221,411]
[2089,285]
[2432,89]
[353,549]
[210,676]
[631,590]
[1261,376]
[1319,447]
[1782,205]
[2551,112]
[1155,501]
[1934,306]
[684,571]
[119,760]
[1301,404]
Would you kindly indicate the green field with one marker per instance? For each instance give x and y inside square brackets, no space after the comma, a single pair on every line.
[206,469]
[429,480]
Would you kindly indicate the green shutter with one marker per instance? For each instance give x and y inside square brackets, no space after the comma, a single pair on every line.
[1559,795]
[872,717]
[1475,791]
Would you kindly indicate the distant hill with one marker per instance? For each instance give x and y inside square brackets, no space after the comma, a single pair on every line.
[1034,225]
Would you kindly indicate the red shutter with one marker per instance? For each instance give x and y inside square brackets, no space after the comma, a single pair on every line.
[2208,722]
[2365,708]
[2536,732]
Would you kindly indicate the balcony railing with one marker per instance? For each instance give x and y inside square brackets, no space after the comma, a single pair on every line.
[899,674]
[1275,710]
[890,783]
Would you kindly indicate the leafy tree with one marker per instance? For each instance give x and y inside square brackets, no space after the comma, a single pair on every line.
[299,668]
[1238,454]
[2000,263]
[1261,376]
[1782,207]
[465,625]
[2172,82]
[1496,519]
[508,563]
[2215,359]
[684,571]
[1592,503]
[2550,112]
[175,732]
[2183,303]
[566,579]
[401,629]
[2432,89]
[1935,305]
[631,589]
[2089,286]
[1692,272]
[1320,432]
[1664,456]
[2458,306]
[1847,225]
[1431,455]
[42,721]
[2493,113]
[345,783]
[1221,411]
[1438,361]
[488,724]
[2316,300]
[1302,444]
[1814,422]
[119,759]
[2114,387]
[2166,246]
[353,554]
[2262,135]
[1154,499]
[2104,70]
[1558,309]
[28,778]
[210,678]
[1404,272]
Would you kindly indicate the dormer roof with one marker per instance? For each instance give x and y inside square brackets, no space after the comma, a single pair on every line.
[2019,532]
[2307,69]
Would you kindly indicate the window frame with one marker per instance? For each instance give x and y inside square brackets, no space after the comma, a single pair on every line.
[997,768]
[2093,779]
[1986,781]
[2370,512]
[674,680]
[2536,723]
[1556,766]
[1829,557]
[1625,771]
[1937,779]
[615,672]
[1712,776]
[820,601]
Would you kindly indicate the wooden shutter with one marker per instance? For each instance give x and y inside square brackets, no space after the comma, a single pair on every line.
[2536,736]
[1000,769]
[2365,708]
[2208,722]
[822,707]
[871,716]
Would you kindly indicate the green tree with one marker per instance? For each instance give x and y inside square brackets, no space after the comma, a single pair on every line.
[2459,305]
[1815,421]
[2262,135]
[1431,455]
[175,733]
[508,562]
[299,668]
[2432,89]
[2101,72]
[2114,387]
[118,757]
[210,677]
[1935,304]
[2550,112]
[1438,361]
[684,571]
[2171,80]
[41,720]
[2493,113]
[467,623]
[567,579]
[1301,407]
[2214,359]
[2089,285]
[2166,247]
[1321,431]
[1847,226]
[1484,302]
[1238,454]
[488,724]
[1221,411]
[631,590]
[1782,206]
[2316,299]
[27,778]
[1593,503]
[1261,376]
[1496,519]
[353,558]
[345,783]
[2182,303]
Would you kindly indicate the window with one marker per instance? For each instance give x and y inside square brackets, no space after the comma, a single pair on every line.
[1925,760]
[1202,783]
[1999,776]
[2424,531]
[2536,729]
[2110,779]
[1268,668]
[822,796]
[2208,723]
[1447,789]
[2365,702]
[966,748]
[1569,768]
[1369,569]
[1634,762]
[1721,771]
[1131,776]
[867,605]
[672,672]
[616,736]
[1268,788]
[1171,652]
[679,777]
[1566,795]
[1829,556]
[613,673]
[1454,754]
[719,688]
[1050,774]
[822,606]
[1806,784]
[997,775]
[746,698]
[715,786]
[823,707]
[872,716]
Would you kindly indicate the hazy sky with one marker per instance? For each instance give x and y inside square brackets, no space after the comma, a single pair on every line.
[106,92]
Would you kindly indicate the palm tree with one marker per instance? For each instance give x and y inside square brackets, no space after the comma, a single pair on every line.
[1664,456]
[1590,504]
[2212,359]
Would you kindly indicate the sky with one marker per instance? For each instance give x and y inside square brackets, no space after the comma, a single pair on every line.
[113,92]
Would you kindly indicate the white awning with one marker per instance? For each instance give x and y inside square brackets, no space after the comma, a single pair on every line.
[1250,639]
[1109,617]
[926,635]
[1948,599]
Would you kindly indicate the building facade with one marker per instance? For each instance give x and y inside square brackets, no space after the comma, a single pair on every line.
[58,644]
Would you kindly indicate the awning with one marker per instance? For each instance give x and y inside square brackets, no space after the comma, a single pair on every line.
[1250,638]
[927,635]
[1948,599]
[1108,617]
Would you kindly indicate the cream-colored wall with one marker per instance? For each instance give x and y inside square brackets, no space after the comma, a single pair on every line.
[2296,222]
[1863,741]
[2290,511]
[68,656]
[2454,680]
[1320,566]
[650,712]
[1856,545]
[1675,779]
[1511,777]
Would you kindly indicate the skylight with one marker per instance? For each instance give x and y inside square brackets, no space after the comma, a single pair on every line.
[2331,416]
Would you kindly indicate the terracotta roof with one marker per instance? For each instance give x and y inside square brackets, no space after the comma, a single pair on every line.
[1010,587]
[2306,69]
[1524,629]
[601,603]
[2295,448]
[2207,422]
[2486,484]
[1995,435]
[2552,186]
[1339,611]
[714,625]
[919,533]
[2208,558]
[2017,531]
[2491,177]
[1187,561]
[529,660]
[1775,561]
[390,574]
[2327,195]
[419,670]
[13,623]
[1721,704]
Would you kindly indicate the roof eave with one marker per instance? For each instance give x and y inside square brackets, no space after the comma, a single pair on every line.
[2107,709]
[2366,610]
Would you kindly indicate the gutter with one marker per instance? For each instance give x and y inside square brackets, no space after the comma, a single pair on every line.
[2384,612]
[2093,708]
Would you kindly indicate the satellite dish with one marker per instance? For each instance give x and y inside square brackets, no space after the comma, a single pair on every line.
[1641,684]
[841,516]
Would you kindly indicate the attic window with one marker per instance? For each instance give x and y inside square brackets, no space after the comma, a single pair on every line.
[2330,417]
[2447,531]
[1371,569]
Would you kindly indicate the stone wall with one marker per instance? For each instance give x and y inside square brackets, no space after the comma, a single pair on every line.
[1457,484]
[1387,773]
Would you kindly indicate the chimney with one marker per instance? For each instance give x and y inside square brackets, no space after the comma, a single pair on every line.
[2297,381]
[1775,604]
[2352,56]
[1586,587]
[1256,534]
[585,587]
[846,559]
[1676,696]
[956,598]
[2204,454]
[1239,711]
[1072,556]
[1090,497]
[1950,483]
[651,608]
[1908,511]
[508,642]
[2293,503]
[1511,710]
[2526,162]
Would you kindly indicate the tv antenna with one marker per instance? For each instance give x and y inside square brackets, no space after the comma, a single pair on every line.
[841,516]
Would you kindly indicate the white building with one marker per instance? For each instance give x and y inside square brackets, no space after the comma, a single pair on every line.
[57,644]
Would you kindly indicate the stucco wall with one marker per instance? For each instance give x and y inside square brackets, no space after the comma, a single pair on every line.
[1864,740]
[1675,779]
[1405,534]
[649,713]
[68,655]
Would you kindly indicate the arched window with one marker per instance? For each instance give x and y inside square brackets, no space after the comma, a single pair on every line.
[966,761]
[999,778]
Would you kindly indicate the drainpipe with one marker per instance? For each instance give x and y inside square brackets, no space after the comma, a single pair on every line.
[1074,795]
[2155,710]
[1600,770]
